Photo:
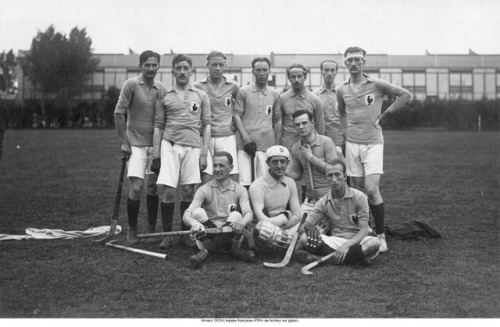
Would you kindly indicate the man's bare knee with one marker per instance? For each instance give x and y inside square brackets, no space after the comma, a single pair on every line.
[136,186]
[371,246]
[187,193]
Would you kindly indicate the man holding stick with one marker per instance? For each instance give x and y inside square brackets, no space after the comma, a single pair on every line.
[134,120]
[346,209]
[220,202]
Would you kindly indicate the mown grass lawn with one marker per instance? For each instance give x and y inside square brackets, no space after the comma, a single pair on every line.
[67,179]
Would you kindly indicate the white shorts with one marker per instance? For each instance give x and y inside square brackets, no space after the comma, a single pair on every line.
[139,163]
[179,160]
[245,166]
[364,159]
[335,242]
[223,143]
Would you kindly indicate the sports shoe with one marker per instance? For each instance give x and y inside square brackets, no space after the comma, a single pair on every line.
[242,254]
[165,243]
[383,243]
[132,236]
[198,259]
[305,257]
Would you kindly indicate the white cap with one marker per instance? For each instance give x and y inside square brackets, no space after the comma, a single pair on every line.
[277,150]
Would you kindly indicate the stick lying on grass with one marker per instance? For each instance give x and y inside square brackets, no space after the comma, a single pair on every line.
[225,229]
[126,248]
[305,269]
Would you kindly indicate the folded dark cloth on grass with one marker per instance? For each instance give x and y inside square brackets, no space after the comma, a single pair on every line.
[412,230]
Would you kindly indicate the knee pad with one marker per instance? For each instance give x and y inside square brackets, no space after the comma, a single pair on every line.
[200,214]
[234,217]
[272,235]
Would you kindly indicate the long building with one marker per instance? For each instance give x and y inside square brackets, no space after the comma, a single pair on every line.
[472,76]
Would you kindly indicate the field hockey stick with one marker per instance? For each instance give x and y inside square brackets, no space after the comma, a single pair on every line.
[289,252]
[311,178]
[116,209]
[126,248]
[305,269]
[252,158]
[224,229]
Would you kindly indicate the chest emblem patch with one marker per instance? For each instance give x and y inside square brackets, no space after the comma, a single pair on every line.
[354,219]
[369,99]
[269,110]
[194,107]
[227,102]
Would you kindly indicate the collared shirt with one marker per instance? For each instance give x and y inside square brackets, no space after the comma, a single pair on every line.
[259,110]
[363,108]
[324,150]
[274,195]
[344,220]
[291,102]
[219,202]
[137,101]
[181,118]
[221,106]
[331,113]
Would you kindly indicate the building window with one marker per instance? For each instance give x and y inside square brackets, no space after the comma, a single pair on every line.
[461,85]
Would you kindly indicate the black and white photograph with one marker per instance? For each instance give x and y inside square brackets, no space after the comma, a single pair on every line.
[211,162]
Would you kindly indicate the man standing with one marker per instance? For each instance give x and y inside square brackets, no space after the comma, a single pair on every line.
[274,199]
[360,101]
[328,97]
[311,151]
[298,97]
[256,112]
[220,202]
[346,210]
[134,119]
[177,141]
[221,94]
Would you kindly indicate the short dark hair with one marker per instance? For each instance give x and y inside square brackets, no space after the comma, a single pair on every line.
[261,59]
[301,112]
[214,54]
[181,57]
[329,60]
[336,162]
[148,54]
[354,49]
[296,65]
[224,154]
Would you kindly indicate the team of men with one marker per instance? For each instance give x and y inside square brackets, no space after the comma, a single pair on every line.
[228,140]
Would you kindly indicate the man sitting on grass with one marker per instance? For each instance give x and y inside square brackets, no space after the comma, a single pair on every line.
[220,202]
[350,236]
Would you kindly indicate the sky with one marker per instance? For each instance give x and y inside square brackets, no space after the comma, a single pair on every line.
[261,26]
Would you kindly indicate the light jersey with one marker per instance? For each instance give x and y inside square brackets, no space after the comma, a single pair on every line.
[364,107]
[137,101]
[218,203]
[259,110]
[291,102]
[180,119]
[324,150]
[331,113]
[267,192]
[344,220]
[221,106]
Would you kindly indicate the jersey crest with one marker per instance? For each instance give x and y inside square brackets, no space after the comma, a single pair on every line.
[354,219]
[227,102]
[231,207]
[269,110]
[194,107]
[369,99]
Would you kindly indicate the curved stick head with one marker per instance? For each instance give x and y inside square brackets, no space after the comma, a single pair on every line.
[110,235]
[305,271]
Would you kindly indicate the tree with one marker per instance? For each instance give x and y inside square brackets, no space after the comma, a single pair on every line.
[8,65]
[59,64]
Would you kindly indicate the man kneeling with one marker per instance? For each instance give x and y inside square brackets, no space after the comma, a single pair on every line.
[218,203]
[345,211]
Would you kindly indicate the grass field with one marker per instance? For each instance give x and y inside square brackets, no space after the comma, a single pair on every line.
[67,179]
